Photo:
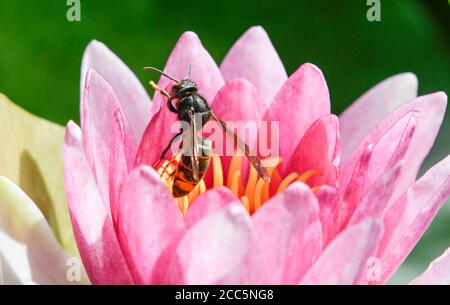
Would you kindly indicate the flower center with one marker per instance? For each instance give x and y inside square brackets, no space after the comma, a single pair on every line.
[253,193]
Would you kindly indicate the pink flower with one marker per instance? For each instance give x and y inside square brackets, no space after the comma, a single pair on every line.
[353,224]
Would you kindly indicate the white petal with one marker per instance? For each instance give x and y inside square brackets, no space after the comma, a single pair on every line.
[29,251]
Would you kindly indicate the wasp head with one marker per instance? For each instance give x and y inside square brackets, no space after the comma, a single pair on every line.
[183,87]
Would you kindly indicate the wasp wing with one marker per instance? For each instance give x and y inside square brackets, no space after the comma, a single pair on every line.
[193,145]
[243,147]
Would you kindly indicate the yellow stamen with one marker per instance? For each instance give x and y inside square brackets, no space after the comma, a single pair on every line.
[197,191]
[183,204]
[202,187]
[286,181]
[235,165]
[193,194]
[251,183]
[265,192]
[217,171]
[308,174]
[258,194]
[275,181]
[253,193]
[234,183]
[245,202]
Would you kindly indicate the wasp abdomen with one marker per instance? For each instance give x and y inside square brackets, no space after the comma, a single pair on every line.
[184,181]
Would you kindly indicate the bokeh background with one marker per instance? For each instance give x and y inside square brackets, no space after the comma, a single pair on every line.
[40,54]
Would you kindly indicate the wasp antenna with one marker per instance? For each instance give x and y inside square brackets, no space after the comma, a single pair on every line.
[158,89]
[162,73]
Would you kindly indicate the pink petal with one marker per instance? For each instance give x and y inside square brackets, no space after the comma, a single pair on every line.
[92,225]
[214,250]
[118,167]
[253,57]
[131,94]
[387,153]
[289,233]
[367,111]
[329,213]
[428,115]
[149,224]
[99,115]
[188,51]
[208,203]
[344,261]
[374,203]
[411,214]
[352,194]
[391,149]
[319,149]
[239,100]
[239,103]
[302,100]
[438,273]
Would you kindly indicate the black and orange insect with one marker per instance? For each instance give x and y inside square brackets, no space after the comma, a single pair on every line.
[191,107]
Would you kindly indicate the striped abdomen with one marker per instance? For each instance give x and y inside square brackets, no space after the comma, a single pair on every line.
[184,181]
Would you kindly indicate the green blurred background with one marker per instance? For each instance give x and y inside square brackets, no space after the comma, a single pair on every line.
[40,54]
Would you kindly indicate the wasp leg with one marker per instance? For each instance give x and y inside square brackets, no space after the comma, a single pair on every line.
[172,174]
[170,143]
[165,170]
[170,106]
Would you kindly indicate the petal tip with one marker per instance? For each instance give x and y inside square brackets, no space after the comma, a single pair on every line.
[223,191]
[147,172]
[405,79]
[258,31]
[333,119]
[309,70]
[93,49]
[94,44]
[73,134]
[238,82]
[238,214]
[442,96]
[71,124]
[410,78]
[298,185]
[189,37]
[311,66]
[438,99]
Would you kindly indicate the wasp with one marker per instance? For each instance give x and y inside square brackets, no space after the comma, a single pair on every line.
[193,109]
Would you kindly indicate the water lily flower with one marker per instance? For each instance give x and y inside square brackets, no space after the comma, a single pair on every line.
[36,238]
[343,205]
